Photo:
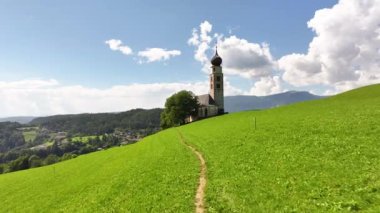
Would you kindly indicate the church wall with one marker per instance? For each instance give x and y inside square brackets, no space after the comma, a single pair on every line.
[207,111]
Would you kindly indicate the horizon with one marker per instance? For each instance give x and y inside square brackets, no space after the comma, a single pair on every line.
[111,112]
[59,58]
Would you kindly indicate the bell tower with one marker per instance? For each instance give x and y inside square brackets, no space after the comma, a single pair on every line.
[216,82]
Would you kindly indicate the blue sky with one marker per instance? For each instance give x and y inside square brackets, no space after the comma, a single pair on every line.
[64,40]
[61,57]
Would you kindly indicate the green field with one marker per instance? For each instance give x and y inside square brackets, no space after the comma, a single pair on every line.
[156,175]
[85,139]
[30,135]
[316,156]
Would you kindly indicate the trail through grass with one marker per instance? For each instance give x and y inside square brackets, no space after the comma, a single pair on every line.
[200,194]
[315,156]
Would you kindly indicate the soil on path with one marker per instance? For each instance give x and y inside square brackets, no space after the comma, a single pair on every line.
[199,197]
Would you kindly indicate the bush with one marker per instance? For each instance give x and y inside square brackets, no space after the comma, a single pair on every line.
[68,156]
[51,159]
[19,164]
[35,161]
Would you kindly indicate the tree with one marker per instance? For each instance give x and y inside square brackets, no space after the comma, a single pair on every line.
[2,168]
[54,149]
[68,156]
[34,161]
[50,159]
[178,107]
[20,163]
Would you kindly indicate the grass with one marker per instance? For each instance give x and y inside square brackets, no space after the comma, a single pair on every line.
[314,156]
[85,139]
[156,175]
[29,135]
[317,156]
[49,143]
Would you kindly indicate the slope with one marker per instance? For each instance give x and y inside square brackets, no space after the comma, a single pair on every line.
[321,155]
[156,175]
[315,156]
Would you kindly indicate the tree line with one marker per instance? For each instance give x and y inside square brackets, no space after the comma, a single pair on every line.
[101,123]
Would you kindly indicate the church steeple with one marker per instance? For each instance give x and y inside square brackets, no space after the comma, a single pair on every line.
[216,60]
[216,82]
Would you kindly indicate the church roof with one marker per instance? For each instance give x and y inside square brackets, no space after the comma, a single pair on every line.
[205,100]
[216,60]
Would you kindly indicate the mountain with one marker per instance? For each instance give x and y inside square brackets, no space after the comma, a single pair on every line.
[315,156]
[243,103]
[19,119]
[231,103]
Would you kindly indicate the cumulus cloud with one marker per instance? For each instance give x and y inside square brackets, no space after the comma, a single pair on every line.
[157,54]
[48,97]
[145,56]
[266,86]
[249,60]
[345,50]
[117,45]
[201,40]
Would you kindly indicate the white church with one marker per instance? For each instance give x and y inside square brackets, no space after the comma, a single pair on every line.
[213,103]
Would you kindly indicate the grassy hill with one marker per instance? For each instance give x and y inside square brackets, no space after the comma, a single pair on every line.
[321,155]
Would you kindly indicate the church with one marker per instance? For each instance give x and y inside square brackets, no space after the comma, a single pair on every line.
[213,103]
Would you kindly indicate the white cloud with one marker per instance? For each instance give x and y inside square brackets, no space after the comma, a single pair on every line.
[344,53]
[201,40]
[145,56]
[117,45]
[157,54]
[48,97]
[267,86]
[249,60]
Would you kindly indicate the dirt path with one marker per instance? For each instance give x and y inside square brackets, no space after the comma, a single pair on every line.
[200,195]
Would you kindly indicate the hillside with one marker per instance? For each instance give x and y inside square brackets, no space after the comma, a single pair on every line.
[10,136]
[100,123]
[315,156]
[46,140]
[243,103]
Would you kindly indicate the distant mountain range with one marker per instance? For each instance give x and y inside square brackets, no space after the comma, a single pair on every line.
[242,103]
[19,119]
[231,104]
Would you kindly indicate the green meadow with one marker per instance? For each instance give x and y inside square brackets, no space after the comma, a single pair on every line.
[156,175]
[30,135]
[317,156]
[321,155]
[85,139]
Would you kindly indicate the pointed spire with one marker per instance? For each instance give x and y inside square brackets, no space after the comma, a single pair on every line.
[216,49]
[216,60]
